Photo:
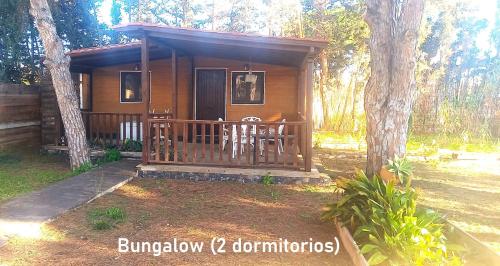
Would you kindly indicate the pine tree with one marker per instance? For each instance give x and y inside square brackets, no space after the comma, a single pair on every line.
[58,65]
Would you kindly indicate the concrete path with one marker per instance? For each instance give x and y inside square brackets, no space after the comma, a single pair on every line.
[26,213]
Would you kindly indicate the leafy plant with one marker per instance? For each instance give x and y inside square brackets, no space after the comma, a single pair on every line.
[388,225]
[115,213]
[267,180]
[112,155]
[83,168]
[103,219]
[132,145]
[402,168]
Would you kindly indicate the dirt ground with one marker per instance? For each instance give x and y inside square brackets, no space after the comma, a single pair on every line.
[160,210]
[466,190]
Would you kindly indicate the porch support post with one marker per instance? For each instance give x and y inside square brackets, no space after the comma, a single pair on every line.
[91,91]
[300,92]
[191,86]
[174,82]
[309,117]
[301,110]
[145,96]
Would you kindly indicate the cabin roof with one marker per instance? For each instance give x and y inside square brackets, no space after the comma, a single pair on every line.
[194,42]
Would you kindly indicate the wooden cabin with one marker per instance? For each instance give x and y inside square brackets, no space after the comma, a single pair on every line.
[183,93]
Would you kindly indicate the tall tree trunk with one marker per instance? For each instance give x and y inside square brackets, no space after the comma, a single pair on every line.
[349,92]
[358,87]
[300,26]
[213,14]
[323,61]
[390,90]
[58,65]
[187,18]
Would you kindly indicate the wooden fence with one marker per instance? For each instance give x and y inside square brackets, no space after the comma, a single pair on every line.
[51,123]
[19,115]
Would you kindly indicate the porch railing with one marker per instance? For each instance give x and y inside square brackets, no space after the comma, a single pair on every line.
[226,143]
[112,129]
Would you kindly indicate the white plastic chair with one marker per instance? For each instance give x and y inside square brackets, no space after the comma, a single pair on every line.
[244,139]
[225,135]
[280,136]
[253,130]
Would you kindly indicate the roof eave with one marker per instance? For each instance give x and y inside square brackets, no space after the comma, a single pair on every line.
[139,28]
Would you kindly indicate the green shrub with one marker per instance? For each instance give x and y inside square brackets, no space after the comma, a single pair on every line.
[267,180]
[103,219]
[101,225]
[112,155]
[115,213]
[83,168]
[402,168]
[132,145]
[387,224]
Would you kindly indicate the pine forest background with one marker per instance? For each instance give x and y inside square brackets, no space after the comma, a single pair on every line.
[458,52]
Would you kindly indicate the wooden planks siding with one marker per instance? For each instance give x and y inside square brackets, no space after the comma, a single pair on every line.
[106,93]
[281,89]
[19,115]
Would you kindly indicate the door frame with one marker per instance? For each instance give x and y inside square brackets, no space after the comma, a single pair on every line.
[195,88]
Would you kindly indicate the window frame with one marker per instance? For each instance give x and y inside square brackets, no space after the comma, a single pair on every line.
[120,87]
[263,87]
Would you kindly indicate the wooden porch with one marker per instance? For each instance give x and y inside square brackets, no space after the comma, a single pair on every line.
[203,142]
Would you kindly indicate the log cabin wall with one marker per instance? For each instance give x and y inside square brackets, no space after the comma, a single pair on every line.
[106,88]
[280,89]
[280,98]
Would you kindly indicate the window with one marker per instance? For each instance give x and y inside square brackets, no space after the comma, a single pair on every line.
[247,88]
[130,86]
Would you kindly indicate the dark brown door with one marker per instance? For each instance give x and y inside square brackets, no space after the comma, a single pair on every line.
[210,94]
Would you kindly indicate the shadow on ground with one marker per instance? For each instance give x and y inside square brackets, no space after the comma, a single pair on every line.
[160,210]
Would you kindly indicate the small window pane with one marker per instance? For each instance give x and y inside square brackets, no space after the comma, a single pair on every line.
[130,87]
[247,88]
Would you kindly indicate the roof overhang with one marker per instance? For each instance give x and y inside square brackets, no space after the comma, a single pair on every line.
[84,60]
[193,42]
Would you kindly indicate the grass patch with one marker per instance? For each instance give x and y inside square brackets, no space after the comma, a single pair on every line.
[110,155]
[331,188]
[321,138]
[275,195]
[27,170]
[426,145]
[83,168]
[104,219]
[429,144]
